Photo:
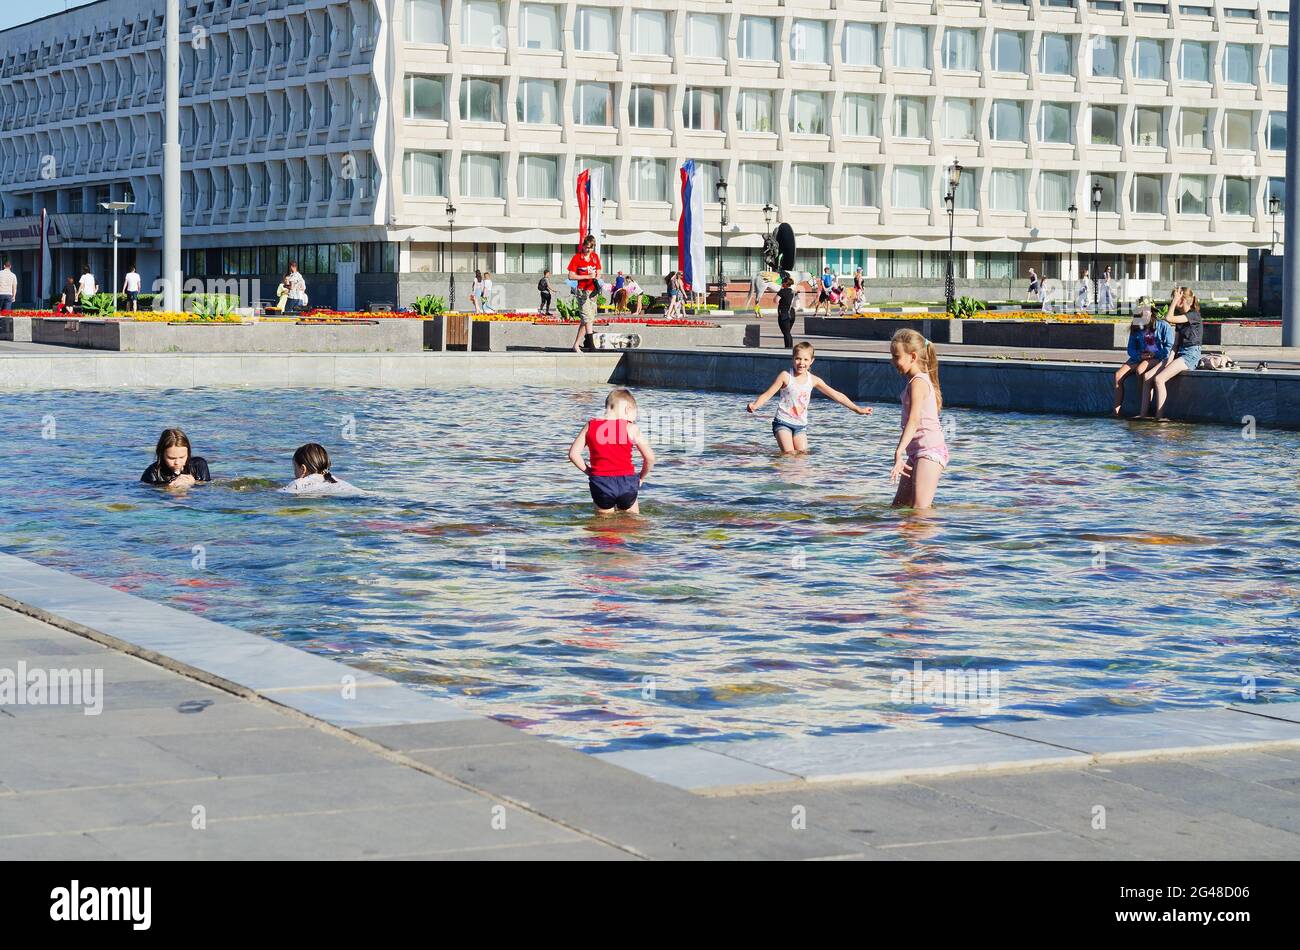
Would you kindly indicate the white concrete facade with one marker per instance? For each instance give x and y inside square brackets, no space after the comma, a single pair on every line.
[298,116]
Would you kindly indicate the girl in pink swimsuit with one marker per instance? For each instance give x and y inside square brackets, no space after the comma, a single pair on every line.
[922,454]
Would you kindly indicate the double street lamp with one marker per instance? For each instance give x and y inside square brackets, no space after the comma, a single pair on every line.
[451,257]
[117,207]
[950,202]
[722,244]
[1096,243]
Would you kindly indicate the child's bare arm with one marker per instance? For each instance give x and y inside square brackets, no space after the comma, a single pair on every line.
[777,383]
[832,393]
[643,446]
[575,451]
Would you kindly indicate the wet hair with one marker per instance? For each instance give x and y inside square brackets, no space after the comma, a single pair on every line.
[803,347]
[171,439]
[618,398]
[314,459]
[909,341]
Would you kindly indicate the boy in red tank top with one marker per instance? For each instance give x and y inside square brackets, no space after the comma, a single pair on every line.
[611,475]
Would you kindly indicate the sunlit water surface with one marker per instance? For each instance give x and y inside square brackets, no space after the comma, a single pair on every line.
[1097,566]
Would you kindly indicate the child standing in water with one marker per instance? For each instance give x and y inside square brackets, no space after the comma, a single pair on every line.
[922,454]
[175,465]
[796,385]
[312,475]
[609,440]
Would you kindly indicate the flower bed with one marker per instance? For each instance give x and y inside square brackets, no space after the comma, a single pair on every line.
[1038,315]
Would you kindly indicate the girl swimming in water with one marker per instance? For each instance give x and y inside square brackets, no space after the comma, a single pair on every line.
[922,454]
[175,465]
[312,475]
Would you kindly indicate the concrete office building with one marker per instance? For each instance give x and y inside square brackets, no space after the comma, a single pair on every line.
[337,132]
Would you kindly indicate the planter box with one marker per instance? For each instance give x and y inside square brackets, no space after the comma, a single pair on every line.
[355,336]
[1040,334]
[445,332]
[508,334]
[1234,334]
[937,329]
[16,329]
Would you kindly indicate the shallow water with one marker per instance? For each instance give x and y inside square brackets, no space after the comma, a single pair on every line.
[1096,566]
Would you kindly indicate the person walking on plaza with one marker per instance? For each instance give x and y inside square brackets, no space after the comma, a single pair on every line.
[785,310]
[859,285]
[297,287]
[87,286]
[476,291]
[544,290]
[1035,286]
[1107,292]
[8,287]
[1081,293]
[68,299]
[584,267]
[131,288]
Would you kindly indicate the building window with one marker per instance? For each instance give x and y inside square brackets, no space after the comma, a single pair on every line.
[1213,267]
[1109,192]
[1055,190]
[1007,189]
[1055,123]
[539,176]
[480,24]
[960,50]
[859,44]
[480,175]
[1104,123]
[422,175]
[527,258]
[1236,196]
[1194,61]
[910,186]
[859,187]
[650,32]
[425,22]
[539,26]
[911,47]
[538,102]
[909,117]
[967,190]
[1008,121]
[702,110]
[1277,66]
[594,30]
[1149,127]
[808,113]
[1238,129]
[710,175]
[1147,192]
[1192,192]
[647,108]
[997,265]
[809,184]
[755,187]
[1103,54]
[1277,131]
[1149,59]
[704,35]
[754,110]
[480,100]
[899,264]
[1277,189]
[1056,57]
[1008,52]
[1239,64]
[860,115]
[757,39]
[593,104]
[649,179]
[424,98]
[808,42]
[959,119]
[1194,128]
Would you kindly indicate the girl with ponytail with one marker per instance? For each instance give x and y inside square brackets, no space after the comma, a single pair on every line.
[312,475]
[922,454]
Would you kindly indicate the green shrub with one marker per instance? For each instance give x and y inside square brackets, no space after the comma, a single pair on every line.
[569,309]
[963,308]
[99,305]
[430,305]
[210,306]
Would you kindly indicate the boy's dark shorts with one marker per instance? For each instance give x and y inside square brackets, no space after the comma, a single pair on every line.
[614,491]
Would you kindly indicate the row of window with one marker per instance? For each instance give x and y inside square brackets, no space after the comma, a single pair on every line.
[758,40]
[650,179]
[538,102]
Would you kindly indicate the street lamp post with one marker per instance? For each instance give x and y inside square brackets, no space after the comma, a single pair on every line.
[1071,269]
[451,257]
[722,245]
[1274,206]
[950,201]
[117,207]
[768,211]
[1096,242]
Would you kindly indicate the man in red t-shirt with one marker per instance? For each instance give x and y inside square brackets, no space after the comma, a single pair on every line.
[584,267]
